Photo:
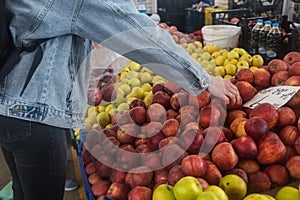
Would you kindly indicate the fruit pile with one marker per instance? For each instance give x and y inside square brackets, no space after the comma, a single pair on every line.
[132,151]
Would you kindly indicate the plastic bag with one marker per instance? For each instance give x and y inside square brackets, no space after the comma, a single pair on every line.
[104,70]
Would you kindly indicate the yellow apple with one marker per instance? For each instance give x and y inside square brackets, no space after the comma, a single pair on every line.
[227,76]
[219,71]
[195,56]
[146,87]
[246,57]
[253,68]
[137,92]
[205,56]
[134,66]
[257,61]
[123,106]
[134,82]
[230,69]
[233,55]
[220,60]
[163,191]
[103,119]
[234,61]
[148,99]
[242,64]
[145,77]
[126,88]
[108,107]
[215,54]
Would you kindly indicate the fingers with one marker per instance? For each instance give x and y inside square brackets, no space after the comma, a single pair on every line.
[231,92]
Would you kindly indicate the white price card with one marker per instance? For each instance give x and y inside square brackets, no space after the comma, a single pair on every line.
[277,96]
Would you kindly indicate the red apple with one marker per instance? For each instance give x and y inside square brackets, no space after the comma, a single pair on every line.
[121,118]
[117,191]
[86,157]
[293,166]
[290,152]
[256,127]
[249,166]
[294,102]
[140,193]
[292,57]
[259,182]
[153,128]
[100,188]
[110,145]
[278,175]
[286,116]
[178,100]
[94,178]
[224,156]
[289,135]
[271,150]
[157,87]
[194,111]
[127,157]
[233,114]
[170,127]
[153,141]
[295,69]
[203,182]
[103,165]
[235,123]
[203,98]
[143,148]
[137,102]
[109,93]
[245,147]
[262,78]
[90,168]
[175,174]
[209,116]
[192,125]
[191,140]
[117,175]
[246,90]
[184,119]
[140,139]
[171,114]
[156,112]
[297,145]
[172,155]
[94,96]
[244,75]
[293,81]
[277,65]
[139,176]
[162,98]
[212,136]
[160,175]
[194,165]
[138,115]
[152,160]
[168,140]
[213,174]
[170,88]
[279,78]
[267,112]
[127,132]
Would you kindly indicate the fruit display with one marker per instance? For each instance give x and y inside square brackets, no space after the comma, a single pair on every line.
[153,140]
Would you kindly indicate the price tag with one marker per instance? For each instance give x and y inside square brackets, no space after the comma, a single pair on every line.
[277,96]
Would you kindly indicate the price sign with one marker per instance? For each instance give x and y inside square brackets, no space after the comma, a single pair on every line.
[277,96]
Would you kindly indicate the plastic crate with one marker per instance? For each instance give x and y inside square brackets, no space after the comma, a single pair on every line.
[258,7]
[87,188]
[208,14]
[223,17]
[194,20]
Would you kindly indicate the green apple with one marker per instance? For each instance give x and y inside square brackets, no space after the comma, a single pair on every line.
[205,56]
[224,52]
[103,119]
[207,196]
[241,51]
[101,108]
[195,56]
[90,119]
[118,101]
[255,196]
[204,63]
[145,69]
[132,74]
[125,80]
[233,55]
[220,60]
[163,192]
[112,112]
[269,197]
[134,82]
[134,66]
[191,46]
[120,92]
[199,51]
[126,88]
[230,69]
[234,186]
[123,106]
[287,193]
[187,188]
[218,192]
[198,44]
[146,87]
[145,77]
[108,107]
[257,61]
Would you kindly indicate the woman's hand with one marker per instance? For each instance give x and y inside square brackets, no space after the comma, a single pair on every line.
[224,89]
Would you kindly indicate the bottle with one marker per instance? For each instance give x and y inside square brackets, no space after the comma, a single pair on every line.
[255,36]
[142,7]
[262,44]
[274,38]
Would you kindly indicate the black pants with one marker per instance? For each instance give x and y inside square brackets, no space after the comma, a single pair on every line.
[37,158]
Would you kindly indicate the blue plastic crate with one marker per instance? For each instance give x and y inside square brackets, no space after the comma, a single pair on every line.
[86,184]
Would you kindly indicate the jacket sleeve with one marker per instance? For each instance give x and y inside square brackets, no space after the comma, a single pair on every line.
[118,26]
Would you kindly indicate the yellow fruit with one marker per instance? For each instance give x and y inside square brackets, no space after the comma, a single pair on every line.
[145,77]
[163,192]
[204,63]
[137,92]
[227,76]
[257,60]
[123,106]
[157,78]
[242,64]
[255,196]
[195,56]
[230,69]
[126,88]
[103,119]
[234,186]
[287,193]
[101,108]
[198,44]
[146,87]
[219,192]
[220,60]
[219,71]
[148,99]
[215,54]
[234,61]
[247,58]
[233,55]
[253,68]
[205,56]
[134,66]
[108,107]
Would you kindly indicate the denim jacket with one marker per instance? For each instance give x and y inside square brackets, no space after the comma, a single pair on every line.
[57,92]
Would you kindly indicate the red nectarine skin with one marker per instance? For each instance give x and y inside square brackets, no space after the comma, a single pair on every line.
[213,174]
[292,57]
[267,112]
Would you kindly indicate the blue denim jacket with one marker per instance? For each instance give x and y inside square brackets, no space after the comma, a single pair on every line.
[56,94]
